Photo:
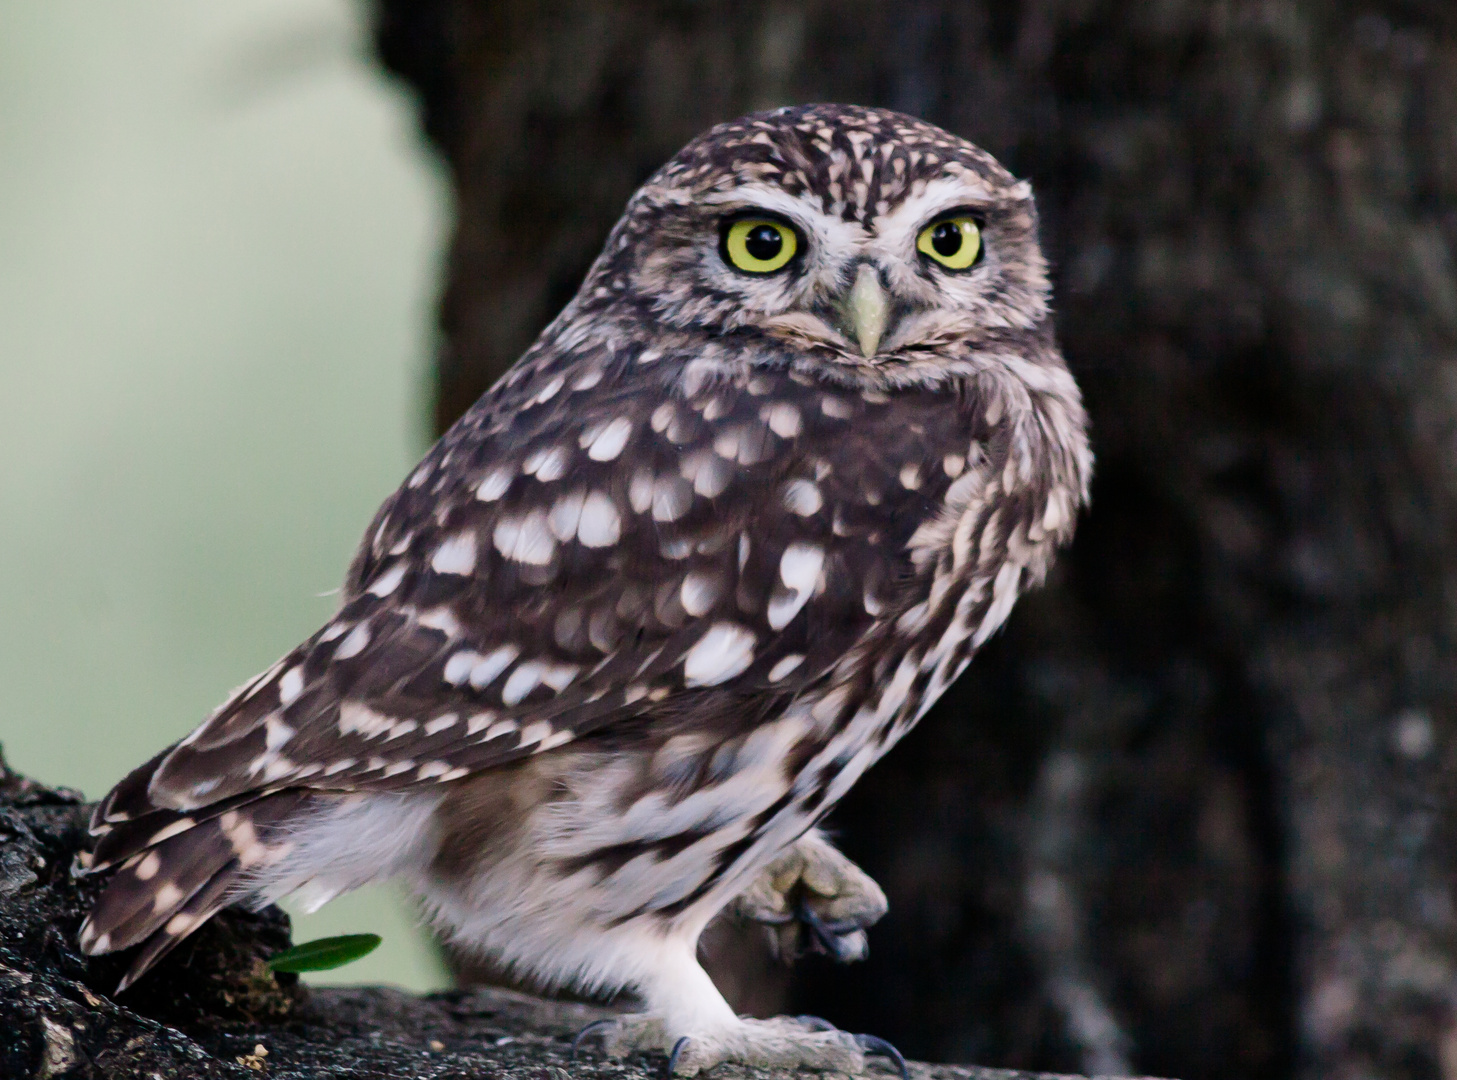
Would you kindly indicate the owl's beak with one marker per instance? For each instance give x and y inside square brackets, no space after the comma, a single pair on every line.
[867,310]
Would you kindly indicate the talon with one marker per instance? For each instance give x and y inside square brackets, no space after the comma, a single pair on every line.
[839,940]
[873,1044]
[577,1042]
[678,1050]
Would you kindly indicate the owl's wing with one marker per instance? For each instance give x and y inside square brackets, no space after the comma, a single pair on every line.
[598,559]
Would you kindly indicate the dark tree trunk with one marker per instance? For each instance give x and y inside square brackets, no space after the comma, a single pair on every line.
[1191,814]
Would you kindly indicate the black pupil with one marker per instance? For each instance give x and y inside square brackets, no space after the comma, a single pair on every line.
[946,239]
[763,242]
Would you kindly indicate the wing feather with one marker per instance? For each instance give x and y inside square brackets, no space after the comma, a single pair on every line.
[554,572]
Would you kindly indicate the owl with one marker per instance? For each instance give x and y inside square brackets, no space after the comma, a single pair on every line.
[619,643]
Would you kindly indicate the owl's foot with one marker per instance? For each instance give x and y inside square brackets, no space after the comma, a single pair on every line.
[783,1042]
[812,891]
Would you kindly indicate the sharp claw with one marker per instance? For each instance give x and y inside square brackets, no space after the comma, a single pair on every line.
[831,936]
[678,1050]
[577,1042]
[872,1044]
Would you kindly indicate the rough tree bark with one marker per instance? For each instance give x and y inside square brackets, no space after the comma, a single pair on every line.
[1192,812]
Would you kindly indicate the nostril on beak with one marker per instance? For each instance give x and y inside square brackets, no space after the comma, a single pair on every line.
[867,310]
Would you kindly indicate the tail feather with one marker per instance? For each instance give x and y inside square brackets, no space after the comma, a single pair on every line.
[215,894]
[153,885]
[128,799]
[123,840]
[168,887]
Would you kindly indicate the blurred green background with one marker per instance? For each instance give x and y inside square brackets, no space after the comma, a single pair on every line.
[219,236]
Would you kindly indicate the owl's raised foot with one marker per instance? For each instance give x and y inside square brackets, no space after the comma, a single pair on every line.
[783,1042]
[813,891]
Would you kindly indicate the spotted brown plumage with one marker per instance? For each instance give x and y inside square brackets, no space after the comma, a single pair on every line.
[658,599]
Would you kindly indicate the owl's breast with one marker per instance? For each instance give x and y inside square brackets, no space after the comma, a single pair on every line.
[988,490]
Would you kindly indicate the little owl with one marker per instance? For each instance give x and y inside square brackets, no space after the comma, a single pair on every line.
[648,610]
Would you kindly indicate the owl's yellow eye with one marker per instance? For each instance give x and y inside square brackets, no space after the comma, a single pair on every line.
[759,245]
[954,242]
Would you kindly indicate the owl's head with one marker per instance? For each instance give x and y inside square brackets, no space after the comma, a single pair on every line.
[865,237]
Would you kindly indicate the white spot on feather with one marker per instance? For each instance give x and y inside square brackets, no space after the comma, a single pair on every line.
[389,581]
[291,685]
[440,618]
[357,719]
[490,666]
[354,644]
[799,570]
[456,556]
[566,512]
[640,491]
[527,539]
[526,678]
[671,498]
[699,592]
[600,524]
[479,721]
[495,484]
[276,733]
[458,667]
[785,666]
[802,497]
[499,728]
[547,464]
[166,897]
[399,728]
[708,472]
[800,565]
[783,419]
[440,723]
[720,654]
[610,441]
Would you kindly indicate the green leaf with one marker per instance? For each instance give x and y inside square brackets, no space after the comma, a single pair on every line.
[323,954]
